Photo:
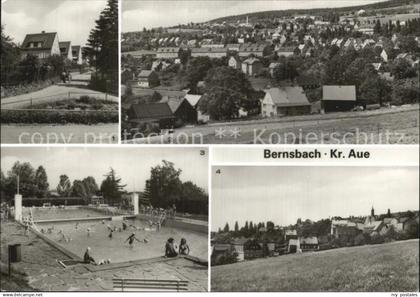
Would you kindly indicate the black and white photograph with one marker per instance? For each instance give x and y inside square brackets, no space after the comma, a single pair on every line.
[59,71]
[315,229]
[117,219]
[258,72]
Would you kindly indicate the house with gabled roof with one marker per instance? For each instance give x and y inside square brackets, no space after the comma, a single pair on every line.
[194,100]
[251,66]
[41,45]
[77,54]
[285,101]
[234,62]
[147,79]
[152,113]
[65,50]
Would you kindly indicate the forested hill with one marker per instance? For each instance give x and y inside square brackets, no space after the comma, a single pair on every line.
[315,11]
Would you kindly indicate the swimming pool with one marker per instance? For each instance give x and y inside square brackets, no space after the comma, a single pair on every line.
[70,212]
[116,248]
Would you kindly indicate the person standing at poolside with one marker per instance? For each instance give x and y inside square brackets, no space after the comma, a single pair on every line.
[88,232]
[184,249]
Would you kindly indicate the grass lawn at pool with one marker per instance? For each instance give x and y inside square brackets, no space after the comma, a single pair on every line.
[390,267]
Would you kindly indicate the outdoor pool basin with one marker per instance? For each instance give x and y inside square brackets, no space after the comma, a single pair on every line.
[77,238]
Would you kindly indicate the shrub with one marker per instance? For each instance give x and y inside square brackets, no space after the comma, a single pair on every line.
[57,117]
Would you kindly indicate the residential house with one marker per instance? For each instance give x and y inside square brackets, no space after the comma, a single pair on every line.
[384,55]
[147,79]
[159,113]
[234,62]
[77,54]
[65,50]
[238,245]
[251,66]
[309,243]
[194,101]
[271,68]
[338,98]
[285,101]
[167,52]
[285,51]
[255,49]
[42,45]
[220,250]
[293,246]
[212,53]
[181,109]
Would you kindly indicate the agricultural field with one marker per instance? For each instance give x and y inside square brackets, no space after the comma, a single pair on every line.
[389,267]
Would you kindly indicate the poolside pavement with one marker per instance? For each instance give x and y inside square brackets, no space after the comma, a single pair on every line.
[40,270]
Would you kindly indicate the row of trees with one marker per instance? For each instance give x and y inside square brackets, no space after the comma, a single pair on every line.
[34,183]
[102,49]
[163,189]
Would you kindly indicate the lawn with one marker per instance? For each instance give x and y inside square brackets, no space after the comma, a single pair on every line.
[390,267]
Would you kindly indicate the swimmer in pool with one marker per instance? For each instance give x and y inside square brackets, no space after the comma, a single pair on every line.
[124,225]
[131,239]
[110,234]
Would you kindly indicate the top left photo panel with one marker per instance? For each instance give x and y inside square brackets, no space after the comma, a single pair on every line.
[59,71]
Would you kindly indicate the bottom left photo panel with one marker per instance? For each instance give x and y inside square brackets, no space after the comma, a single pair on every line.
[104,219]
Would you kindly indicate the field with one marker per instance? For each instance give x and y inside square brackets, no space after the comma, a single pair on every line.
[390,267]
[398,125]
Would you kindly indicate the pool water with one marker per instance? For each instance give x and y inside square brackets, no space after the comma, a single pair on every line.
[117,248]
[52,213]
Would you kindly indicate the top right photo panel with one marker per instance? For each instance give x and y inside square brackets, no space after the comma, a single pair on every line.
[270,72]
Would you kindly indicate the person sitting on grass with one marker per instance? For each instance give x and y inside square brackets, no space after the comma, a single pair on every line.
[170,250]
[184,249]
[131,239]
[87,258]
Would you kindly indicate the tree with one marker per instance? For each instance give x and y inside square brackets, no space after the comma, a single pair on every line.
[90,185]
[10,57]
[102,48]
[41,181]
[197,70]
[375,90]
[285,70]
[226,228]
[401,69]
[64,186]
[26,173]
[226,91]
[236,226]
[78,189]
[111,188]
[164,186]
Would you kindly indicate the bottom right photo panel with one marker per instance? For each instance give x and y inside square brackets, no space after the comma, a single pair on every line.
[314,228]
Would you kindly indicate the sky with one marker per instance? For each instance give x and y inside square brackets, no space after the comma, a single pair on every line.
[137,14]
[284,194]
[71,19]
[131,164]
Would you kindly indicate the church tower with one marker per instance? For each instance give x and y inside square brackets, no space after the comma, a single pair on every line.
[372,212]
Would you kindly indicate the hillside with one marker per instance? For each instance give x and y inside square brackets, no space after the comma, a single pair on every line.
[315,11]
[389,267]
